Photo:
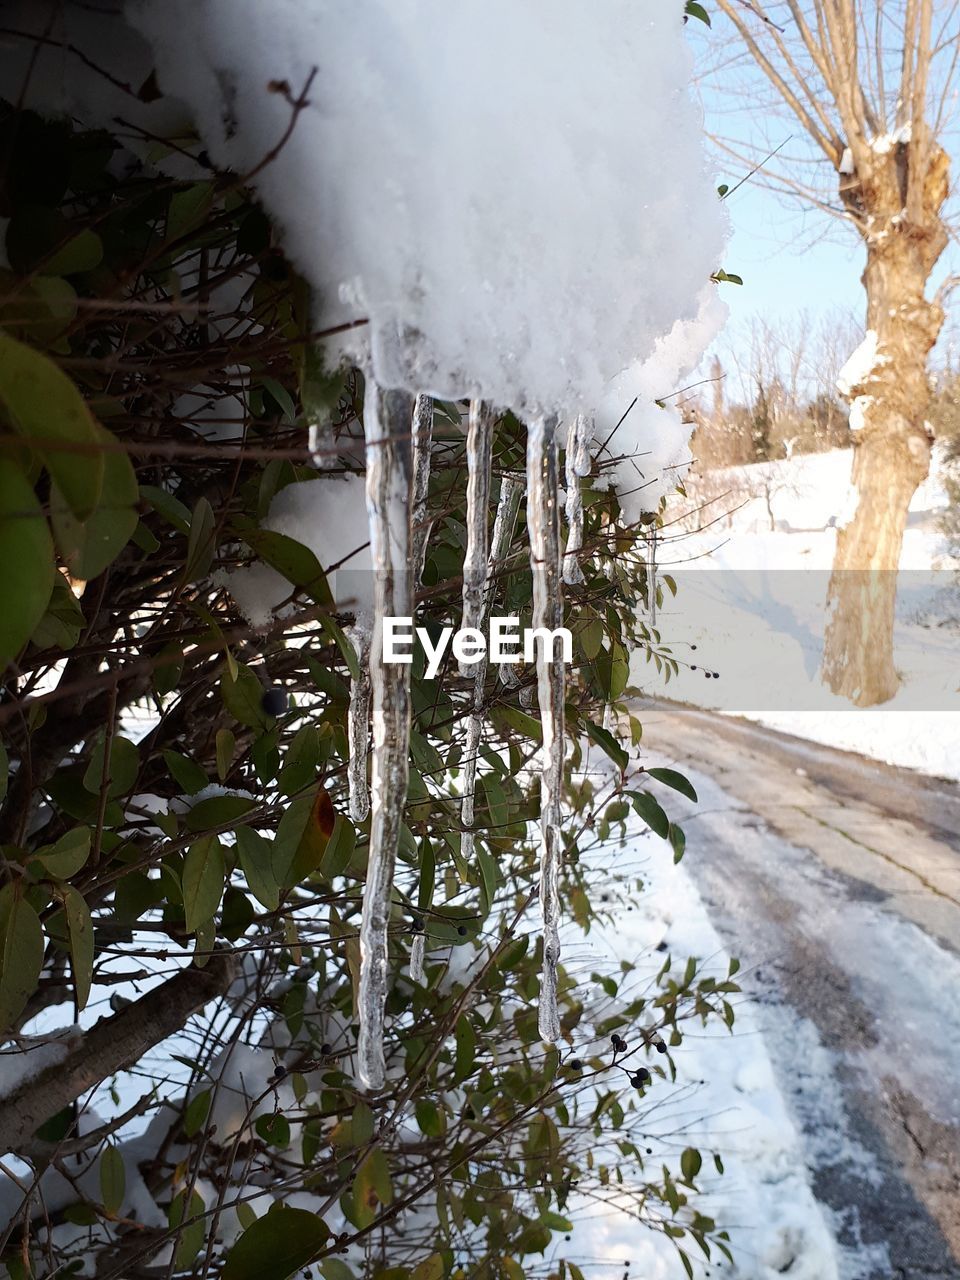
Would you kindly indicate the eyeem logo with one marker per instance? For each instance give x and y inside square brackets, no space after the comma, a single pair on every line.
[506,643]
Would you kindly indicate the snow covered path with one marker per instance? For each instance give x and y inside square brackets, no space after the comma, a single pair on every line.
[837,883]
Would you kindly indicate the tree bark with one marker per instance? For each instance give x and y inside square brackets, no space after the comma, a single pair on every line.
[891,447]
[109,1046]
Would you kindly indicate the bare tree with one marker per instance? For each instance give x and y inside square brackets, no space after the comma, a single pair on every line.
[869,84]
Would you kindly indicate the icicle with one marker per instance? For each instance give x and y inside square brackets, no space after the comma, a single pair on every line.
[358,721]
[479,454]
[652,574]
[471,750]
[322,445]
[543,525]
[422,445]
[387,426]
[503,529]
[576,464]
[417,953]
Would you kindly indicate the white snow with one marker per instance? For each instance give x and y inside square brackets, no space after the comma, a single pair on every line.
[860,365]
[29,1055]
[726,1099]
[529,265]
[329,516]
[885,142]
[752,599]
[647,453]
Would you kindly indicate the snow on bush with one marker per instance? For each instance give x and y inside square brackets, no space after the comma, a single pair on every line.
[514,196]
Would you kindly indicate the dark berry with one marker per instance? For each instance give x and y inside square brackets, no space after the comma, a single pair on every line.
[693,646]
[462,930]
[274,701]
[661,1047]
[324,1049]
[416,924]
[575,1064]
[692,667]
[716,675]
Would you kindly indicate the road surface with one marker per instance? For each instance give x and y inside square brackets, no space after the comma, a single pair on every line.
[836,880]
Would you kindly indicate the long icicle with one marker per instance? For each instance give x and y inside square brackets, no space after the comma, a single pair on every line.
[358,721]
[422,447]
[479,454]
[387,426]
[543,524]
[422,457]
[503,529]
[576,464]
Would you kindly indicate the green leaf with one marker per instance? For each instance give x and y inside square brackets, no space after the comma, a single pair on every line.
[226,745]
[61,625]
[371,1188]
[608,743]
[695,10]
[191,1237]
[274,1129]
[431,1268]
[89,545]
[26,561]
[46,407]
[243,697]
[122,771]
[466,1048]
[276,1246]
[80,932]
[430,1118]
[691,1162]
[186,773]
[21,953]
[506,717]
[651,811]
[256,862]
[362,1124]
[218,811]
[65,858]
[340,848]
[671,778]
[201,543]
[113,1180]
[195,1115]
[204,873]
[678,840]
[292,561]
[188,209]
[166,505]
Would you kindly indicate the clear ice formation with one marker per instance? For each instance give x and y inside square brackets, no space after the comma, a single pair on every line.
[358,721]
[577,463]
[422,448]
[543,526]
[388,417]
[503,529]
[479,456]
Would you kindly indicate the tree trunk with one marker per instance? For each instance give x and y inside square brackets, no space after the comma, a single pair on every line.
[891,446]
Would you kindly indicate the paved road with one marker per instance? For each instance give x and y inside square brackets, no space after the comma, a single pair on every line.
[836,880]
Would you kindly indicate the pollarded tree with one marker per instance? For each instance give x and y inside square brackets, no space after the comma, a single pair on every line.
[869,86]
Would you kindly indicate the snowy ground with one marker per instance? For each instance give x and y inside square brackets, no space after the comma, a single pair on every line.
[752,599]
[726,1099]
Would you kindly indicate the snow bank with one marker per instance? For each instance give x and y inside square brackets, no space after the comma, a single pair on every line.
[726,1098]
[514,196]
